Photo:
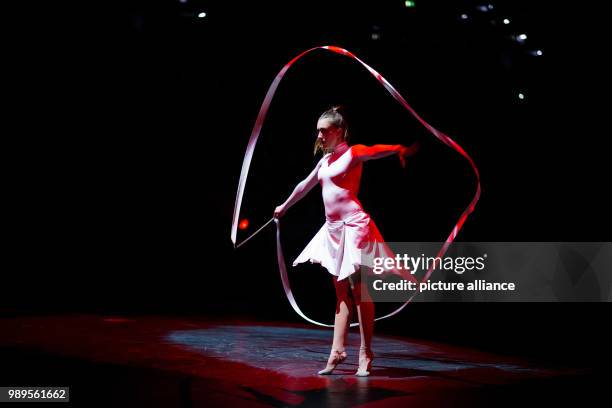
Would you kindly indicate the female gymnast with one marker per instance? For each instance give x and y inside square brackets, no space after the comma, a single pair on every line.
[348,234]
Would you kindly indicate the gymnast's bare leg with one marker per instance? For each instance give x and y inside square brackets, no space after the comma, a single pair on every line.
[365,312]
[342,321]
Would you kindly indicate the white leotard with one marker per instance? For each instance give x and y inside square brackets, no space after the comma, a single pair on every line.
[339,176]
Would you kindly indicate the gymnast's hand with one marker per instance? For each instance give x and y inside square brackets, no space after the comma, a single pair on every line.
[408,151]
[279,211]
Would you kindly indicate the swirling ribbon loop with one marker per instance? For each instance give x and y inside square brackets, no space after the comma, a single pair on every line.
[251,148]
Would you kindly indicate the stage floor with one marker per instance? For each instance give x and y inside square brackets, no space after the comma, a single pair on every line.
[173,361]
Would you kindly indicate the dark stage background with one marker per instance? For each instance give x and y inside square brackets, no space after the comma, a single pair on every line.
[132,121]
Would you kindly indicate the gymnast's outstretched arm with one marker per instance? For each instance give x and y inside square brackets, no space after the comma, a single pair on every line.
[299,191]
[365,153]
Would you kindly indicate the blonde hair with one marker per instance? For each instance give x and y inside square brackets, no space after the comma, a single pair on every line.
[337,116]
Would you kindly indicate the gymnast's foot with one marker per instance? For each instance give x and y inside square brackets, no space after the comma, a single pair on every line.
[335,358]
[365,362]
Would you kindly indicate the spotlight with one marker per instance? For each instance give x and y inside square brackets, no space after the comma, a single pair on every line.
[244,224]
[409,3]
[521,96]
[506,21]
[464,16]
[202,15]
[521,38]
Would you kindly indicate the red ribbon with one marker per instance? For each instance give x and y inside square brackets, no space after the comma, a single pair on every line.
[398,97]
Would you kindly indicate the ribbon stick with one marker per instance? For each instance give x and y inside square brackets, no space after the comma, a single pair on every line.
[251,148]
[253,234]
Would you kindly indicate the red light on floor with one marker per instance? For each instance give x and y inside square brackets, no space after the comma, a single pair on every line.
[244,223]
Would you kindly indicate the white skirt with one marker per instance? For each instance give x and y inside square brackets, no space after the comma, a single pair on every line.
[343,246]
